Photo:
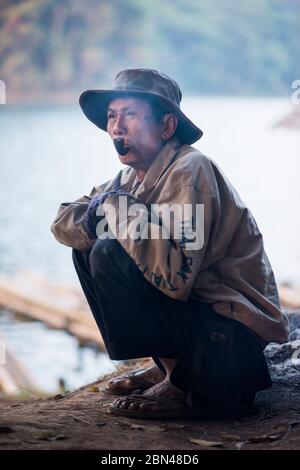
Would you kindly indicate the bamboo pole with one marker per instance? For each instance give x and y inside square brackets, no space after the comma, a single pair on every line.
[60,307]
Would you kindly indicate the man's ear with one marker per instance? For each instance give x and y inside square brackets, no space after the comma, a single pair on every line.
[170,123]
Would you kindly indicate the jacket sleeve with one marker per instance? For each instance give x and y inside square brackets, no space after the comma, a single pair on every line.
[68,226]
[171,264]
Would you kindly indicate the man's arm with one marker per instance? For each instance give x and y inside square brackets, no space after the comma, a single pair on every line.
[68,226]
[169,264]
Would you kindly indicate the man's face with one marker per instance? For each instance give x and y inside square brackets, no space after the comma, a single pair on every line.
[132,120]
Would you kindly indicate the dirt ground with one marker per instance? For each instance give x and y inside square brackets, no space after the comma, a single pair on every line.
[80,419]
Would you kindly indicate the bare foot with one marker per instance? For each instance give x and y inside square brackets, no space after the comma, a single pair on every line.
[163,389]
[153,375]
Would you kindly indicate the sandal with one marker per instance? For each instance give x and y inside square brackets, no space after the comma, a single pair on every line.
[170,408]
[141,384]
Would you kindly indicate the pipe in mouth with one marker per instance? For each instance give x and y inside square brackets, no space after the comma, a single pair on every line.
[120,146]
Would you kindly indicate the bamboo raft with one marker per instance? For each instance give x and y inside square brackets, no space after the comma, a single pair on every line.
[64,307]
[33,297]
[58,306]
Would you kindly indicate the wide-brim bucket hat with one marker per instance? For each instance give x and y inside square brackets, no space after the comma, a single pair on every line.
[141,83]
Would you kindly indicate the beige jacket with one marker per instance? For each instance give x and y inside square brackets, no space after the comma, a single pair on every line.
[231,270]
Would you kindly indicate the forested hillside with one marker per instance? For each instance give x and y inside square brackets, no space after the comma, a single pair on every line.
[57,48]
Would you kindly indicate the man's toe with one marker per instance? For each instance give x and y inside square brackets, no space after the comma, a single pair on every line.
[133,405]
[118,402]
[117,381]
[149,405]
[130,403]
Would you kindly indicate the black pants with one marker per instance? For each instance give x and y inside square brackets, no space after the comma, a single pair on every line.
[216,356]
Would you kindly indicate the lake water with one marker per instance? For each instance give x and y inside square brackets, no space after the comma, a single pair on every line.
[50,155]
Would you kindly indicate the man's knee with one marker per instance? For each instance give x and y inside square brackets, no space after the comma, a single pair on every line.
[103,253]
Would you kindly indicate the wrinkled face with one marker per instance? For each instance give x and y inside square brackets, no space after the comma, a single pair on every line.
[132,120]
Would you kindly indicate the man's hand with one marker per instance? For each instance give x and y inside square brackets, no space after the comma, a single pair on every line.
[91,218]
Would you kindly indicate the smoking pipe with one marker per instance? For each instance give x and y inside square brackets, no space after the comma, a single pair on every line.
[120,146]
